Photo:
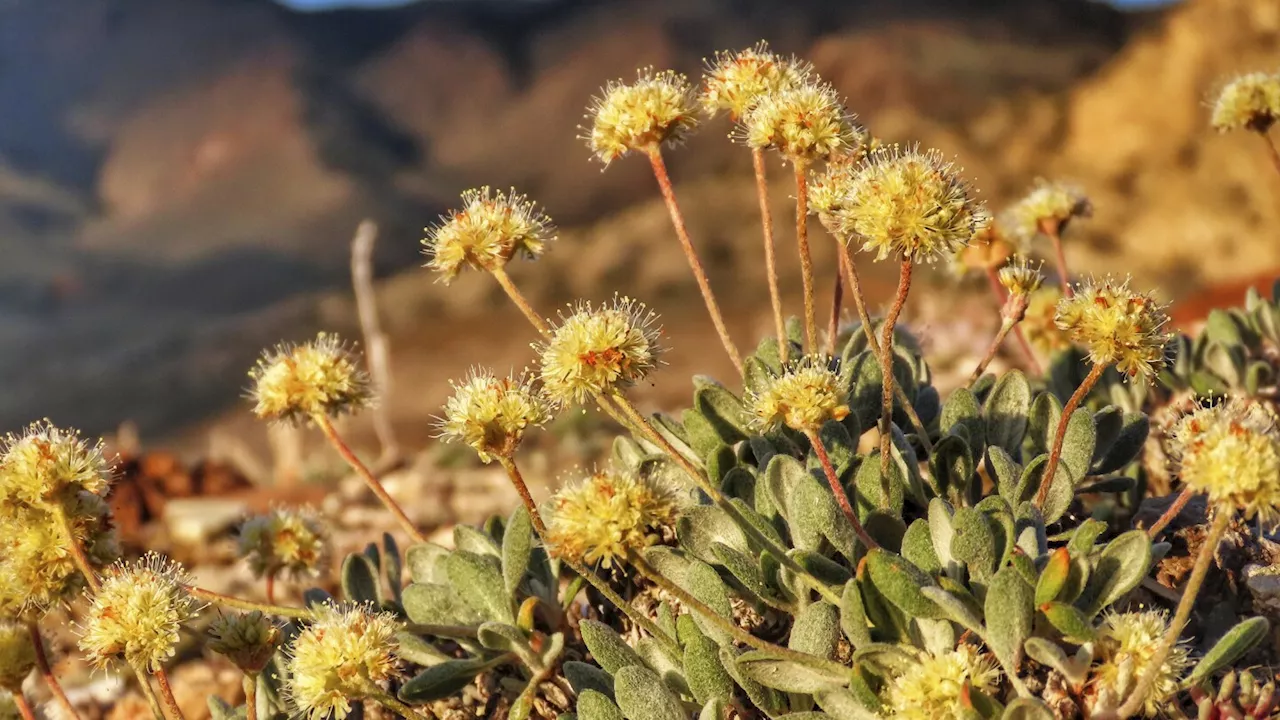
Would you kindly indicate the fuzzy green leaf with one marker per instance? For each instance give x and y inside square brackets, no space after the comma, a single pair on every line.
[1009,611]
[955,609]
[429,603]
[962,416]
[724,411]
[360,580]
[788,675]
[1123,564]
[442,680]
[1127,446]
[478,580]
[517,548]
[1007,475]
[766,699]
[703,671]
[1060,492]
[842,704]
[1053,577]
[607,647]
[1005,411]
[1231,647]
[702,526]
[744,569]
[593,705]
[900,582]
[973,542]
[469,539]
[873,492]
[853,616]
[713,710]
[952,466]
[585,676]
[642,695]
[426,563]
[1073,624]
[917,547]
[816,630]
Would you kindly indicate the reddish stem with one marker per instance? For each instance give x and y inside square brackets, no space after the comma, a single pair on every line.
[46,672]
[770,263]
[886,366]
[1172,512]
[365,474]
[271,588]
[806,258]
[837,489]
[1055,454]
[833,325]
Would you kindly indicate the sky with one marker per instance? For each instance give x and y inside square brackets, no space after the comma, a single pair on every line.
[330,4]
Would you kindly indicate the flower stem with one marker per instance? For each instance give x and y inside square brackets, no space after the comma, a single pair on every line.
[1137,698]
[1053,229]
[24,707]
[271,588]
[699,272]
[77,551]
[144,684]
[166,694]
[1272,152]
[236,603]
[724,623]
[833,325]
[868,328]
[806,258]
[1174,509]
[521,302]
[1005,326]
[838,490]
[251,696]
[365,474]
[770,263]
[46,672]
[699,479]
[601,586]
[886,365]
[1055,454]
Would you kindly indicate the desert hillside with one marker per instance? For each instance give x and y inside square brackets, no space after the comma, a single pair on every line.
[179,181]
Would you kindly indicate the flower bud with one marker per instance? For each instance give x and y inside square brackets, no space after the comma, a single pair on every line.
[247,640]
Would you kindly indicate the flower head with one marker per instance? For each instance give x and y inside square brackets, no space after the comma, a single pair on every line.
[292,542]
[248,640]
[45,462]
[1117,325]
[321,378]
[608,514]
[491,228]
[38,571]
[138,613]
[1049,206]
[1127,644]
[803,122]
[17,655]
[988,249]
[1020,278]
[806,395]
[339,657]
[934,688]
[491,414]
[1230,451]
[657,108]
[1249,102]
[597,349]
[829,192]
[1039,325]
[735,81]
[913,205]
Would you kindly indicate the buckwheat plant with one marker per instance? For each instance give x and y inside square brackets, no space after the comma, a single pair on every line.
[826,534]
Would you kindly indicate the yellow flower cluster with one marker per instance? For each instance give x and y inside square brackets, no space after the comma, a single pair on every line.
[657,108]
[597,349]
[608,514]
[806,395]
[37,569]
[321,378]
[736,81]
[1249,102]
[912,205]
[492,414]
[935,687]
[491,228]
[1127,644]
[1020,278]
[293,542]
[138,614]
[1039,325]
[341,657]
[1230,451]
[1117,325]
[1049,206]
[45,462]
[803,122]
